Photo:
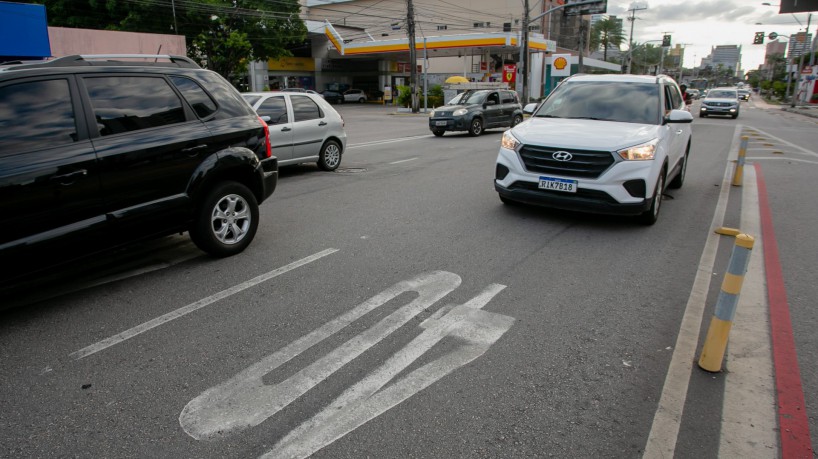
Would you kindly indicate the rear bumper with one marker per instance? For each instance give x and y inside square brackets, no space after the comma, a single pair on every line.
[269,177]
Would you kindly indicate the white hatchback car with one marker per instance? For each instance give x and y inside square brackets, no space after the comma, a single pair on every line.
[599,143]
[303,127]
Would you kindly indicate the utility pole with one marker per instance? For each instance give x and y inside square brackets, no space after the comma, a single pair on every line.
[581,50]
[413,72]
[524,56]
[633,10]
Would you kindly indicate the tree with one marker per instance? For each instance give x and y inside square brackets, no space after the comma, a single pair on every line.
[222,35]
[605,33]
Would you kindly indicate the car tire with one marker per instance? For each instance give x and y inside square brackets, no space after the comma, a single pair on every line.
[702,115]
[438,132]
[516,119]
[361,100]
[330,157]
[476,127]
[679,180]
[650,216]
[226,220]
[734,116]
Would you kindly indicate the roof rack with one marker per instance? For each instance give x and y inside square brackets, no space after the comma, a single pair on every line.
[108,59]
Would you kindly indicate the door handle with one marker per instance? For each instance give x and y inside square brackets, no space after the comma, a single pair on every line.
[285,129]
[193,151]
[322,123]
[69,178]
[679,132]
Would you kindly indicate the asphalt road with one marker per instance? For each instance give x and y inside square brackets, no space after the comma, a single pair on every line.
[395,308]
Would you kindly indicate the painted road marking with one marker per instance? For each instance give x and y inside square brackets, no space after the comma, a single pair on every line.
[386,141]
[792,410]
[244,401]
[403,161]
[142,328]
[755,158]
[748,426]
[668,417]
[790,144]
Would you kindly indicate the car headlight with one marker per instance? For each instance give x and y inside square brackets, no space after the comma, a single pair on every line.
[432,114]
[460,112]
[643,152]
[509,141]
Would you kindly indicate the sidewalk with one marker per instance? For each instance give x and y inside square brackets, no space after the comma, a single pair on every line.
[806,110]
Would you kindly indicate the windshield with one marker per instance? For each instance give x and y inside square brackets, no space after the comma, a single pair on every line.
[721,94]
[456,99]
[251,99]
[604,100]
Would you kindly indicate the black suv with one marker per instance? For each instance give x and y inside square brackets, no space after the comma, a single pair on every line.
[477,110]
[95,153]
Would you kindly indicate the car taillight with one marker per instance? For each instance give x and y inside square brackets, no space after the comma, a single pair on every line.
[268,148]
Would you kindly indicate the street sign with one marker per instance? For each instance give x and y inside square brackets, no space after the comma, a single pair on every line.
[807,70]
[772,36]
[561,65]
[797,6]
[588,7]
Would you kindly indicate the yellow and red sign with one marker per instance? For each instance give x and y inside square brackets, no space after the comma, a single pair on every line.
[561,65]
[509,73]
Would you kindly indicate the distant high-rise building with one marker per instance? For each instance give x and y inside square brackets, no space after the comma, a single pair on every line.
[774,48]
[800,43]
[729,56]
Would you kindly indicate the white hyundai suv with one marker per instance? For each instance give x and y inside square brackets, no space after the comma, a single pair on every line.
[599,143]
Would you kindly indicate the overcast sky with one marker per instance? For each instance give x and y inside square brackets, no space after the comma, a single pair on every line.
[702,24]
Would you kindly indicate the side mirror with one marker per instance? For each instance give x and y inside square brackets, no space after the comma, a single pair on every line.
[679,116]
[266,119]
[529,109]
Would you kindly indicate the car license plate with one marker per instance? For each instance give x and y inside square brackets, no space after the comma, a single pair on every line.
[557,184]
[440,123]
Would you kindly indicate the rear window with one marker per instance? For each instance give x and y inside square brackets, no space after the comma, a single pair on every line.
[202,104]
[627,102]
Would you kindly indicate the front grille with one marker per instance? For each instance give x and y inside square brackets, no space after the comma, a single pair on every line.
[583,193]
[583,164]
[719,104]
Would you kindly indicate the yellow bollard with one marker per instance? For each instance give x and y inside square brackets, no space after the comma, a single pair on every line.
[742,151]
[716,342]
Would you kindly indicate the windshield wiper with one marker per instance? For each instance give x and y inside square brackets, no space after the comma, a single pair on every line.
[548,116]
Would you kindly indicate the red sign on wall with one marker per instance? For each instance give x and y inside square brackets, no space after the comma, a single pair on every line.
[509,73]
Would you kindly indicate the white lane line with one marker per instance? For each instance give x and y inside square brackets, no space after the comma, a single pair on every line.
[139,329]
[403,161]
[387,141]
[668,417]
[749,419]
[780,140]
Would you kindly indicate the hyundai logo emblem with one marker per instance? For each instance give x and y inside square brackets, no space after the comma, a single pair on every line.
[562,156]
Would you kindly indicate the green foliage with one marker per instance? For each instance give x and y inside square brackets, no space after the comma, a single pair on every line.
[404,96]
[222,35]
[605,33]
[435,96]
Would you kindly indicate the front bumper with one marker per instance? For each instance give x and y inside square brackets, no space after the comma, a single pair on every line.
[718,110]
[607,194]
[457,123]
[597,202]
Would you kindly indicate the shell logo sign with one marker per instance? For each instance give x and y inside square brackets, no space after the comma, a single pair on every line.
[561,65]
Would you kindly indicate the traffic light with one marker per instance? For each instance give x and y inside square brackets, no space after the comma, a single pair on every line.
[759,39]
[666,41]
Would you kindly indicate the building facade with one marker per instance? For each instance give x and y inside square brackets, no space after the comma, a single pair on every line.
[365,44]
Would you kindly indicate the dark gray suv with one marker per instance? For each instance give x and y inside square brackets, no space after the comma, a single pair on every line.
[97,152]
[477,110]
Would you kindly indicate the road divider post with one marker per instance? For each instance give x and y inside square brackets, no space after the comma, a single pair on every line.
[738,175]
[716,342]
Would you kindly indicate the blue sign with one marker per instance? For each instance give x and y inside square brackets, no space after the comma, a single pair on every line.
[23,31]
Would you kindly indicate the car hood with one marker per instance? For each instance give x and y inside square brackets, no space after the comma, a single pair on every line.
[584,134]
[451,108]
[718,99]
